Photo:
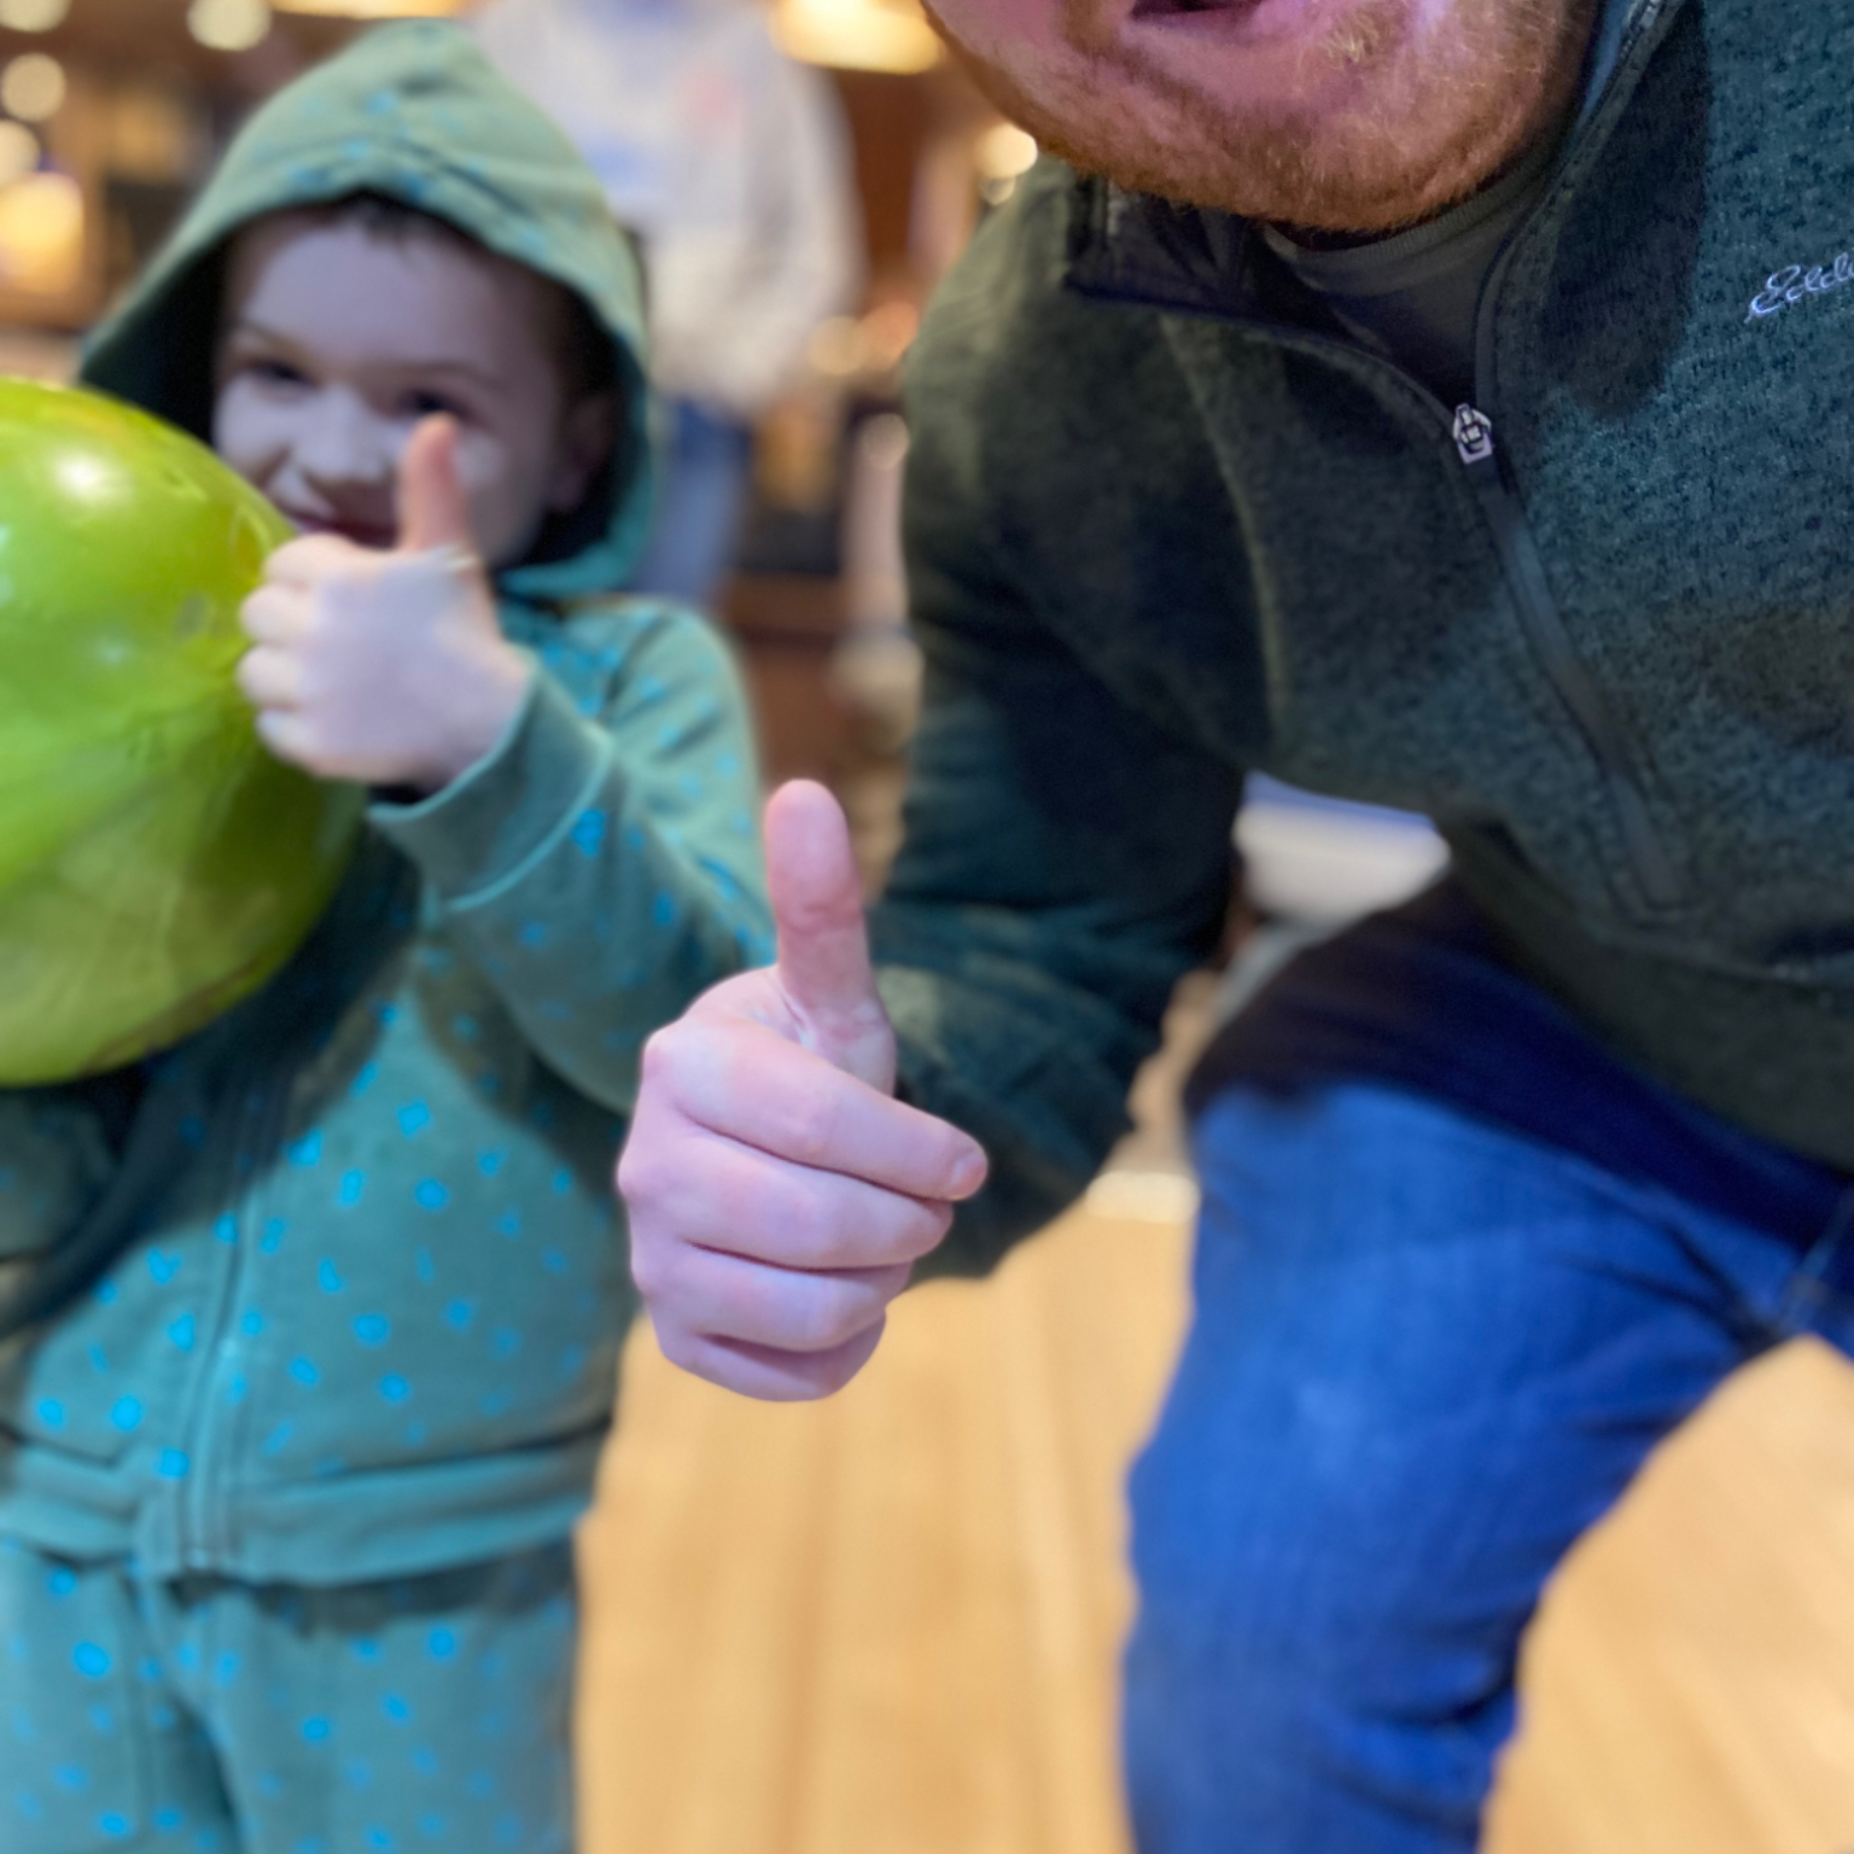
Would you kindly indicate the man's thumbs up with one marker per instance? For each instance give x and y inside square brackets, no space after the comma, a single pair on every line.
[779,1193]
[386,668]
[824,968]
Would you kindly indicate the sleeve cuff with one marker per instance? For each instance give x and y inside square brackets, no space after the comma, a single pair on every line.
[484,829]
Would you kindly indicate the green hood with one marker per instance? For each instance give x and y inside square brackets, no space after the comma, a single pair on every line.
[413,112]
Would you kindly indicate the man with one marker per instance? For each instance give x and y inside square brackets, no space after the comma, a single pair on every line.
[1441,402]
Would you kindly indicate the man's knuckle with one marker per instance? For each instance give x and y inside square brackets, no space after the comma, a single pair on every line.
[681,1349]
[647,1270]
[924,1228]
[658,1065]
[811,1129]
[834,1318]
[672,1057]
[639,1174]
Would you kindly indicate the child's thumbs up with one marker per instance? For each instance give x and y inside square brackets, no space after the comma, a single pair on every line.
[389,669]
[824,967]
[434,508]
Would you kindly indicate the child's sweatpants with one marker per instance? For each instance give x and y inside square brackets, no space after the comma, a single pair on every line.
[429,1715]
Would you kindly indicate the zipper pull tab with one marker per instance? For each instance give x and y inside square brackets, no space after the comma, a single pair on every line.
[1474,435]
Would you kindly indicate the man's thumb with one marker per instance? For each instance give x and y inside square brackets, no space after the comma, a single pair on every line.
[824,966]
[434,511]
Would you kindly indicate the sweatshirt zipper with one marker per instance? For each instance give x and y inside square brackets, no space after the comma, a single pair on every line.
[204,1542]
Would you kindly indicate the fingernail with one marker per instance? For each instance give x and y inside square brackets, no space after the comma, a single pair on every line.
[969,1174]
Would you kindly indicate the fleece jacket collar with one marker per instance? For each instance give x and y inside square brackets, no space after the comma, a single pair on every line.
[1153,253]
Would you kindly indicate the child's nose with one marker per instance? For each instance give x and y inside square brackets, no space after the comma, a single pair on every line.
[343,442]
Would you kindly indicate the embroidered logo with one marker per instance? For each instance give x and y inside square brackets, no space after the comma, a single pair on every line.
[1793,284]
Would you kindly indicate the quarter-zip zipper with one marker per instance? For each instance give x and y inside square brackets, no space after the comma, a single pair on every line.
[1472,434]
[1576,688]
[1488,469]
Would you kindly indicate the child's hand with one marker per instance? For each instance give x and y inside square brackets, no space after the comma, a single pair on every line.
[386,668]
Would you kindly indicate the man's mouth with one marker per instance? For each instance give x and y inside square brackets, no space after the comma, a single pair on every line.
[1222,19]
[1153,9]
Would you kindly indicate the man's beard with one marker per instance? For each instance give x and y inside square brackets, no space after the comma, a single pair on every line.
[1428,124]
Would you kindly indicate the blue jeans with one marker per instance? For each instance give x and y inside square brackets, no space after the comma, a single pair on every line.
[1428,1354]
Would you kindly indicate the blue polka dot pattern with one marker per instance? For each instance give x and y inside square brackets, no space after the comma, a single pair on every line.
[590,832]
[428,1701]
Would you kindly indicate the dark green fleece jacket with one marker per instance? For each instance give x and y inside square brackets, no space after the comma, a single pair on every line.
[1165,526]
[368,1284]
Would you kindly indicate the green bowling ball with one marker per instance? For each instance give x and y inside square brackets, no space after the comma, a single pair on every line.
[156,864]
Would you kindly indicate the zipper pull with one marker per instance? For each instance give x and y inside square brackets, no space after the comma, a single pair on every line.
[1474,435]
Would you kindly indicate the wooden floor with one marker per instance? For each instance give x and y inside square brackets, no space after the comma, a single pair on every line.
[888,1625]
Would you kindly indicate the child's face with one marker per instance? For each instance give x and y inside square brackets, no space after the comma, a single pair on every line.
[336,340]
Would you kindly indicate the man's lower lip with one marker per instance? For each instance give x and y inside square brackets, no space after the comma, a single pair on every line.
[1220,19]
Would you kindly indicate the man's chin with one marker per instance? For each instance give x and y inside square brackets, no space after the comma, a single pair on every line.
[1347,115]
[1216,105]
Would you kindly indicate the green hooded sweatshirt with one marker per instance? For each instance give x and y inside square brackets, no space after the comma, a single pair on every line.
[1168,524]
[362,1285]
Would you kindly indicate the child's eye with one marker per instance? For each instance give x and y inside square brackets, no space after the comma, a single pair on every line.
[274,373]
[431,405]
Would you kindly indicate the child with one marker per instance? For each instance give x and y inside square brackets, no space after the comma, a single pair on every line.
[285,1500]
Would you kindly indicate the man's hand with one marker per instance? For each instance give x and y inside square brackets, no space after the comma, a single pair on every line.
[779,1194]
[387,668]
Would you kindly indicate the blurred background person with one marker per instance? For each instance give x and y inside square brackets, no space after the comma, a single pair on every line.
[731,163]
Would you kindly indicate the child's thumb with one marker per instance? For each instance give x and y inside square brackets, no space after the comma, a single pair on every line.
[434,510]
[824,967]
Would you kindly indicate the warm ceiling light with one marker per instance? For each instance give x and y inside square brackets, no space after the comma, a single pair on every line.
[19,152]
[229,25]
[32,88]
[42,233]
[373,9]
[857,35]
[33,15]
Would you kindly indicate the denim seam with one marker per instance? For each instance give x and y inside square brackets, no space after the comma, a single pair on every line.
[1809,1292]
